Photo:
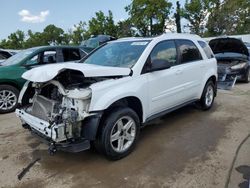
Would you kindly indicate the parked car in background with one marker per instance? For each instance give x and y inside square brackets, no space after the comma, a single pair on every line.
[95,41]
[112,92]
[233,61]
[12,69]
[248,47]
[5,54]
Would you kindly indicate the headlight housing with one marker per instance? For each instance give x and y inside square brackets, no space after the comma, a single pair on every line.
[239,66]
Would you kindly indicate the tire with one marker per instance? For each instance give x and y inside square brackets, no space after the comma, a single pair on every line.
[114,126]
[247,76]
[8,98]
[208,95]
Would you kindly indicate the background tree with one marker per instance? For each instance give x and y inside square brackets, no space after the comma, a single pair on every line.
[229,17]
[177,16]
[34,39]
[197,12]
[52,35]
[78,34]
[14,41]
[101,24]
[149,16]
[125,29]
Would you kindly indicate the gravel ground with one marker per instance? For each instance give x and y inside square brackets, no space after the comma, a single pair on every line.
[187,148]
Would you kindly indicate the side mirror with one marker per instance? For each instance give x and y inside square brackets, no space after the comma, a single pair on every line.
[159,64]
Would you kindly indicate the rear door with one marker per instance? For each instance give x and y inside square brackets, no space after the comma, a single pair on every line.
[191,69]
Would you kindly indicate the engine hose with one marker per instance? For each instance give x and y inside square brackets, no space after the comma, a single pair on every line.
[234,159]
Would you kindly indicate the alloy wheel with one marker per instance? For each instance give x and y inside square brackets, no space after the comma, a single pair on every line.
[209,95]
[123,134]
[8,99]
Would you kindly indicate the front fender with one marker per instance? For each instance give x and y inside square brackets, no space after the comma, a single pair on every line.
[125,87]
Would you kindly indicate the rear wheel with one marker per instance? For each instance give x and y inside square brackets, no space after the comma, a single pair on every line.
[119,133]
[207,98]
[8,98]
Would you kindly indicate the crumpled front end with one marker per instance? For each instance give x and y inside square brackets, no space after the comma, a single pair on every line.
[226,78]
[57,115]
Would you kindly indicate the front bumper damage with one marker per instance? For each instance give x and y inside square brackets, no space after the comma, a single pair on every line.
[227,77]
[55,135]
[62,122]
[226,81]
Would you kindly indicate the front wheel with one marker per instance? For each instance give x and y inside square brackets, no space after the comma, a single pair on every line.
[207,98]
[8,98]
[119,133]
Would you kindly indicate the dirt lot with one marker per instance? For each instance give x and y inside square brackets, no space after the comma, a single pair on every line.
[187,148]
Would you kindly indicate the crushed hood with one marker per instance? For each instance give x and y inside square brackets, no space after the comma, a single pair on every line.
[49,72]
[228,45]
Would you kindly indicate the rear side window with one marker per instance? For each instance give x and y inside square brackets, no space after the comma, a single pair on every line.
[206,49]
[188,51]
[71,54]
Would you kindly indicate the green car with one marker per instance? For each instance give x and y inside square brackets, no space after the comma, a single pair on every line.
[12,69]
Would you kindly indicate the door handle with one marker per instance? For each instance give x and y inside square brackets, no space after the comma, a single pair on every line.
[178,72]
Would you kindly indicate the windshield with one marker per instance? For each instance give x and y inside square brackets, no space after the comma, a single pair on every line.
[15,59]
[118,54]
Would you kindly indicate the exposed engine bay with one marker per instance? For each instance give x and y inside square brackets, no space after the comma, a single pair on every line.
[227,75]
[58,107]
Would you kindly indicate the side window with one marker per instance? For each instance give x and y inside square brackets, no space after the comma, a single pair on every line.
[188,51]
[71,54]
[206,49]
[49,57]
[165,51]
[32,61]
[2,57]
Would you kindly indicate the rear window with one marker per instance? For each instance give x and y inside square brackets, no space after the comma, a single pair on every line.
[206,49]
[188,51]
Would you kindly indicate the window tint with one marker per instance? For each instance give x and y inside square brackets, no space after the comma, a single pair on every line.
[165,51]
[32,61]
[71,54]
[206,49]
[45,57]
[189,52]
[49,57]
[2,56]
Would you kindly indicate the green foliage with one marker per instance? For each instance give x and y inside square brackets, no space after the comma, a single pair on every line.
[231,17]
[125,29]
[78,34]
[149,16]
[102,24]
[15,40]
[196,12]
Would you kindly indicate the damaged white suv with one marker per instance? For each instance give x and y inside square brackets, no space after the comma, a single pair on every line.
[107,97]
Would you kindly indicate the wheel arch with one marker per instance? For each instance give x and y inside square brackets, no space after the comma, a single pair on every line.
[13,84]
[130,101]
[212,78]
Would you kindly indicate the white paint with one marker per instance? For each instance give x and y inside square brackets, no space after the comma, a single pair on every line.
[48,72]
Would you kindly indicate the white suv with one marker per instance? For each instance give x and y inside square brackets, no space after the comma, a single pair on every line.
[106,98]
